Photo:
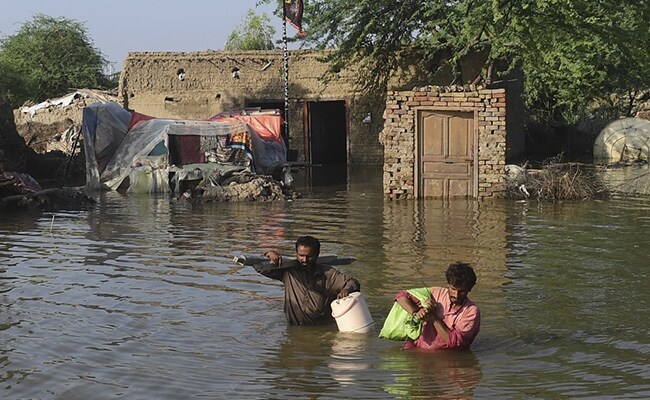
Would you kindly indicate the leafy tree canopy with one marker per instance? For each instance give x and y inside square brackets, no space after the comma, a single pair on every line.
[574,54]
[48,57]
[255,33]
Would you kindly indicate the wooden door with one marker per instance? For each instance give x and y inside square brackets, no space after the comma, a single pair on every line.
[446,154]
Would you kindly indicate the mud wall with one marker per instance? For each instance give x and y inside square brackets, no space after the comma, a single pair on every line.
[199,85]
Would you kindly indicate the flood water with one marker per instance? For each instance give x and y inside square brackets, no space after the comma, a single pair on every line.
[138,298]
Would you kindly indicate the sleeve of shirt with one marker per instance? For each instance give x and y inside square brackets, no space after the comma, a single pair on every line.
[339,281]
[462,334]
[276,274]
[405,293]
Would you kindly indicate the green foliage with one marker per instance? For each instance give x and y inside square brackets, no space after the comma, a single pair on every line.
[255,33]
[574,54]
[48,57]
[584,57]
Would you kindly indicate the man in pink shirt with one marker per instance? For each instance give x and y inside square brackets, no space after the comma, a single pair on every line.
[451,319]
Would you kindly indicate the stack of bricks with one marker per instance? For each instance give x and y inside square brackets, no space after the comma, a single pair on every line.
[399,134]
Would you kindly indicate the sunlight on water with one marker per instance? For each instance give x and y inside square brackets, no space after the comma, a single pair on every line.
[138,297]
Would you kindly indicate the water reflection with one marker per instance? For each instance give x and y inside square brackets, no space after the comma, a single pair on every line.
[628,179]
[349,357]
[423,237]
[299,365]
[429,375]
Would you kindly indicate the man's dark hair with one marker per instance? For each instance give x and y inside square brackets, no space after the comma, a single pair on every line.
[308,241]
[461,275]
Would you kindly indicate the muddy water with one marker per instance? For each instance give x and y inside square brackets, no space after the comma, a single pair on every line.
[138,298]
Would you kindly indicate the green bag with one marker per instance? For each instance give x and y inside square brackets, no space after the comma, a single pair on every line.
[399,324]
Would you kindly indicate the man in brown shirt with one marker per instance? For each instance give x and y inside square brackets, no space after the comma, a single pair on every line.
[309,287]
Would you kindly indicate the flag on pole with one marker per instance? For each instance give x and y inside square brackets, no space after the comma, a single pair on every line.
[293,14]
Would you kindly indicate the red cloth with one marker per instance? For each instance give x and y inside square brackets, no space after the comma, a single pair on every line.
[137,117]
[185,149]
[267,127]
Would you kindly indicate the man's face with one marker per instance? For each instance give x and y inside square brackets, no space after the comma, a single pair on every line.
[457,295]
[306,256]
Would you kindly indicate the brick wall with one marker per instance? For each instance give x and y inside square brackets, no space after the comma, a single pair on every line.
[399,135]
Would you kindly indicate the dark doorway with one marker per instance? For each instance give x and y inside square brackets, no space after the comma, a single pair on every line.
[327,144]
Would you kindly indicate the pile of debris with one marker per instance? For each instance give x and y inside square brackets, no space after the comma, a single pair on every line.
[54,125]
[238,186]
[554,182]
[20,191]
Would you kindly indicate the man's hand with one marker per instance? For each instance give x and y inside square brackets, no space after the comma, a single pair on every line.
[274,256]
[420,314]
[343,293]
[427,312]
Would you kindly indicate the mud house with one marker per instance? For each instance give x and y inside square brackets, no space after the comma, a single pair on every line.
[330,122]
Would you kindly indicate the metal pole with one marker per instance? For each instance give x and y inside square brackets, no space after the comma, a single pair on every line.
[286,75]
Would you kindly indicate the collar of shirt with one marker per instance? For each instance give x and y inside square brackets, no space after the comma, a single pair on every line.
[441,295]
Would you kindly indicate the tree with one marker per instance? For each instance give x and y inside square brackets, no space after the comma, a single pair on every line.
[574,54]
[255,33]
[584,58]
[46,58]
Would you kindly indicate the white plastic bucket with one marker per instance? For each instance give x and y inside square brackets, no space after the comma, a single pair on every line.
[352,314]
